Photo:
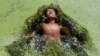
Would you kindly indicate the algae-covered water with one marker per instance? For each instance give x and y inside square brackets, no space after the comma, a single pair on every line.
[14,12]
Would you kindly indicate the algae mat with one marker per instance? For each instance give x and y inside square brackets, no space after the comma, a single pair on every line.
[14,12]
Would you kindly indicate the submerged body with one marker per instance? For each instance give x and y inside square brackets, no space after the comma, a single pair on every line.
[52,31]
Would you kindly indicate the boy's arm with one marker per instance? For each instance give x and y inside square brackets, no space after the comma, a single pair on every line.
[65,31]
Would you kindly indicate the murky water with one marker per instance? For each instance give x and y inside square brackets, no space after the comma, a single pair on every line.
[14,13]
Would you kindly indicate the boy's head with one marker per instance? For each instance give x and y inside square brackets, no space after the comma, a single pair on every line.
[50,12]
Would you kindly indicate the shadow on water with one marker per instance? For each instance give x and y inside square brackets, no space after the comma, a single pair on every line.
[33,42]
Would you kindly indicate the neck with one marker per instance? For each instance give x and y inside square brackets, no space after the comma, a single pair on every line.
[51,21]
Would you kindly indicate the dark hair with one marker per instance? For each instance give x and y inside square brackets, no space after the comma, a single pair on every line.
[45,11]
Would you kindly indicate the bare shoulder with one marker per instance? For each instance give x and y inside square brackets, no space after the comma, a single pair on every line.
[42,24]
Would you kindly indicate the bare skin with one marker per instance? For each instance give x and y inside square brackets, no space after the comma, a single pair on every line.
[51,30]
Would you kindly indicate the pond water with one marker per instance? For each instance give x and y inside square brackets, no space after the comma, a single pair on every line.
[14,13]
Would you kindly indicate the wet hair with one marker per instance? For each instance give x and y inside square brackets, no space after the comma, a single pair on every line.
[45,11]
